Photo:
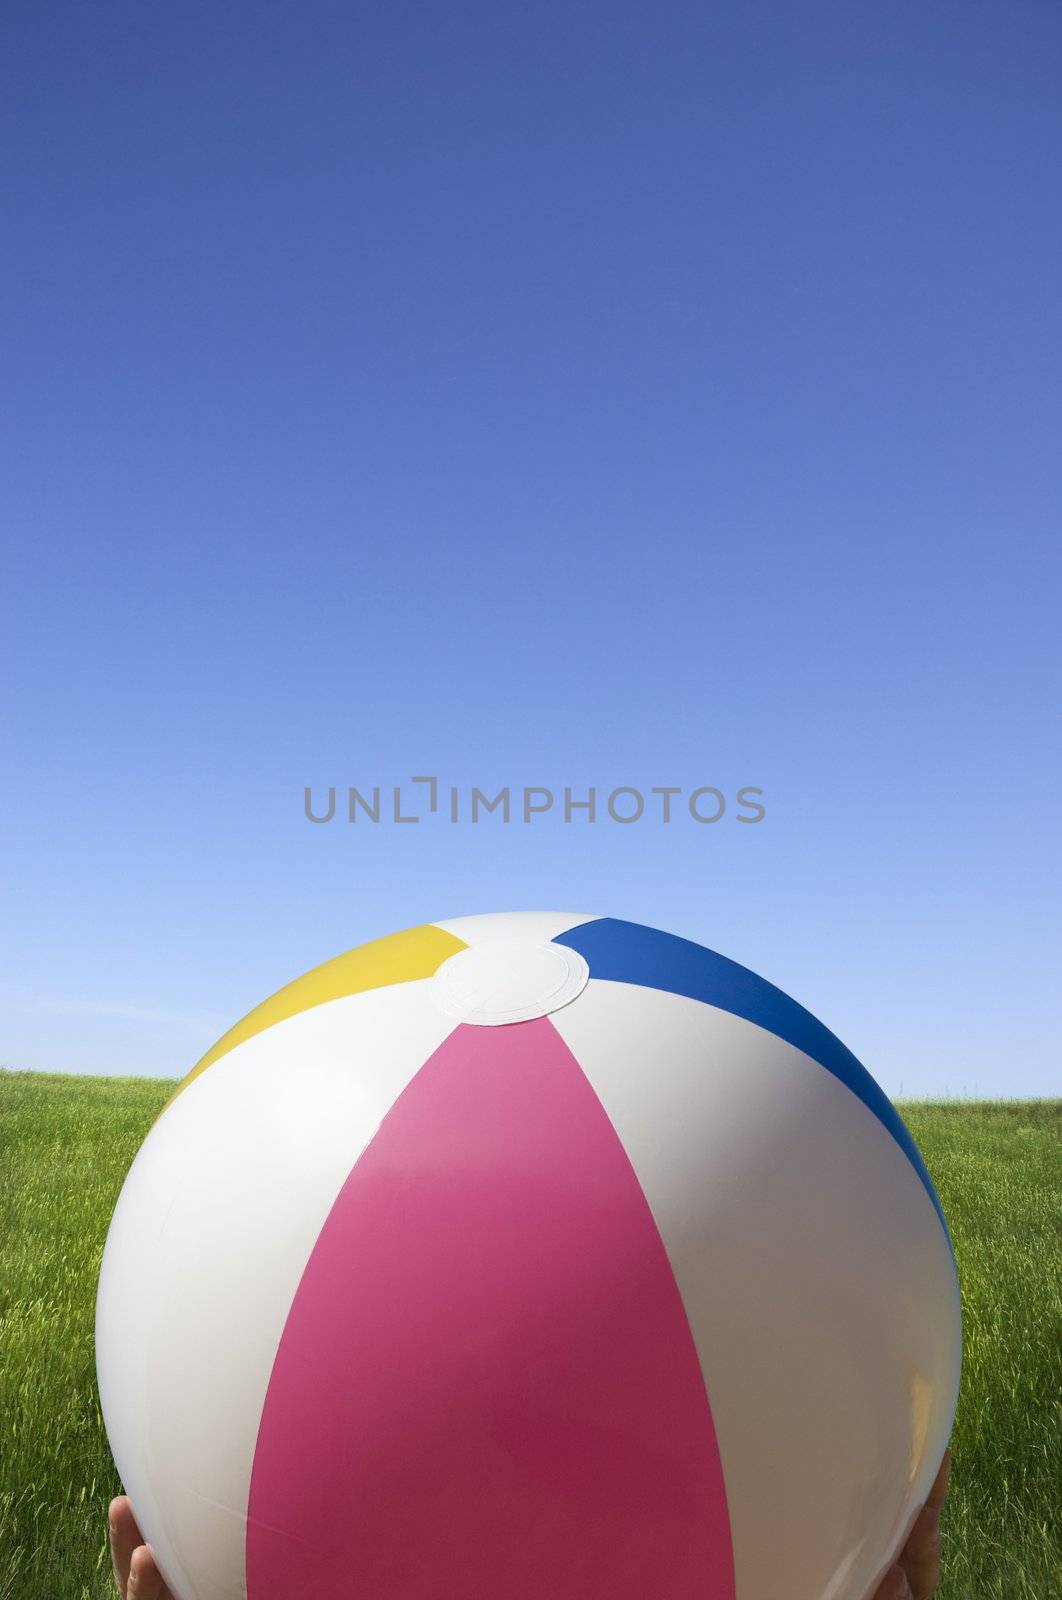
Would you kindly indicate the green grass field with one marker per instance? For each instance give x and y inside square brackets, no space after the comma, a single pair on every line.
[66,1143]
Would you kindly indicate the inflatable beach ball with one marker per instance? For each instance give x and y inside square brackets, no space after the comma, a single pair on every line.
[528,1256]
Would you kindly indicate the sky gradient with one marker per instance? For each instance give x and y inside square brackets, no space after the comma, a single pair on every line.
[585,395]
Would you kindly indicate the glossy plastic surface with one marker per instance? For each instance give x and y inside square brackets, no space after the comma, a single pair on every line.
[646,1293]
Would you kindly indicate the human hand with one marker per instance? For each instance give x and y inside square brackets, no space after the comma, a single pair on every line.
[915,1575]
[135,1572]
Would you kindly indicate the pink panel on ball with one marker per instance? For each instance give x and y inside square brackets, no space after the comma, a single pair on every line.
[487,1388]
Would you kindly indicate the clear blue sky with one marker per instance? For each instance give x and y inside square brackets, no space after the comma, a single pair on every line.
[569,394]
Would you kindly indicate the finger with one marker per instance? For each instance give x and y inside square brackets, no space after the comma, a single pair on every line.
[124,1537]
[894,1586]
[938,1494]
[921,1554]
[920,1558]
[145,1580]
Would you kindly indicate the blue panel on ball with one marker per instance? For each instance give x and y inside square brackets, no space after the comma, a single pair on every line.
[627,952]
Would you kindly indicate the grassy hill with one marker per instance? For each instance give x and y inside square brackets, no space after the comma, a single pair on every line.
[66,1143]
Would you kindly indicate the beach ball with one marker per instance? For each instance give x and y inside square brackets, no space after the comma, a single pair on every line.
[527,1256]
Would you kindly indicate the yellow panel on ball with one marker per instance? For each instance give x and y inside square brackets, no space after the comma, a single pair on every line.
[396,958]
